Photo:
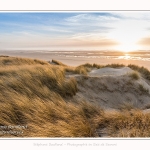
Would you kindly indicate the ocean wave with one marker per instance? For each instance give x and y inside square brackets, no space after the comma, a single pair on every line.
[125,57]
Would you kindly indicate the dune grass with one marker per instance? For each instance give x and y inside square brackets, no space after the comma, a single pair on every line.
[76,70]
[143,90]
[33,78]
[134,75]
[48,118]
[58,62]
[144,71]
[37,95]
[10,61]
[85,68]
[126,124]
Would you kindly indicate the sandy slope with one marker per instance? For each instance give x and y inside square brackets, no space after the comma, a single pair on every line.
[113,88]
[110,71]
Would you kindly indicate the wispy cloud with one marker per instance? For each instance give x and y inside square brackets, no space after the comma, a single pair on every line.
[92,18]
[87,29]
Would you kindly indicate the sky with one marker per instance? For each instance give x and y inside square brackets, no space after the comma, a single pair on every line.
[114,30]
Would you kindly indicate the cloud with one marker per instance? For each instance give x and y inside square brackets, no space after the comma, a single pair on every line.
[26,40]
[63,25]
[144,41]
[100,43]
[102,29]
[132,15]
[54,29]
[92,17]
[81,43]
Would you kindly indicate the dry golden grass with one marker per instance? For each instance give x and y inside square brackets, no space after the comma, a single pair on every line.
[85,68]
[58,62]
[9,61]
[46,118]
[76,70]
[126,124]
[134,75]
[144,71]
[35,94]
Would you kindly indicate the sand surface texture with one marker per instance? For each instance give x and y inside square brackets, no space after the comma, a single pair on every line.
[110,72]
[113,88]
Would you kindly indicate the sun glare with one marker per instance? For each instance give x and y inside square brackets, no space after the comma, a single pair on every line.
[127,47]
[127,34]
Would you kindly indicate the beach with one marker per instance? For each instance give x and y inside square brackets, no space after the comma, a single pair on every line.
[75,58]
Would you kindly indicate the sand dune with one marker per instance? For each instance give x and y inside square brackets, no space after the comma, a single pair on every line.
[110,71]
[113,88]
[55,100]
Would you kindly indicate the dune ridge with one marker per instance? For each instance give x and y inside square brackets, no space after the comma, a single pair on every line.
[55,100]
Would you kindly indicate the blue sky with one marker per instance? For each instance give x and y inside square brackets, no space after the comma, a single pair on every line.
[75,31]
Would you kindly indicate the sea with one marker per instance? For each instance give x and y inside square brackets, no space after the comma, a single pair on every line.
[77,57]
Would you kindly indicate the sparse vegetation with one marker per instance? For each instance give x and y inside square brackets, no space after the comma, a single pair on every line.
[143,90]
[134,75]
[76,70]
[147,106]
[58,62]
[13,61]
[81,70]
[144,71]
[115,65]
[87,65]
[97,66]
[126,106]
[126,124]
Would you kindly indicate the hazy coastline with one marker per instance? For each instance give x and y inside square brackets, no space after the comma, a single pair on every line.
[75,58]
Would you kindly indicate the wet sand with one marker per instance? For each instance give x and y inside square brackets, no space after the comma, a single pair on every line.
[75,58]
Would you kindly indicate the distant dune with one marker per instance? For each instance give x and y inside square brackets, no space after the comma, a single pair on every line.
[50,99]
[110,71]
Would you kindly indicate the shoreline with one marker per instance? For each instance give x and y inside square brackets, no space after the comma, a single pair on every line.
[71,60]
